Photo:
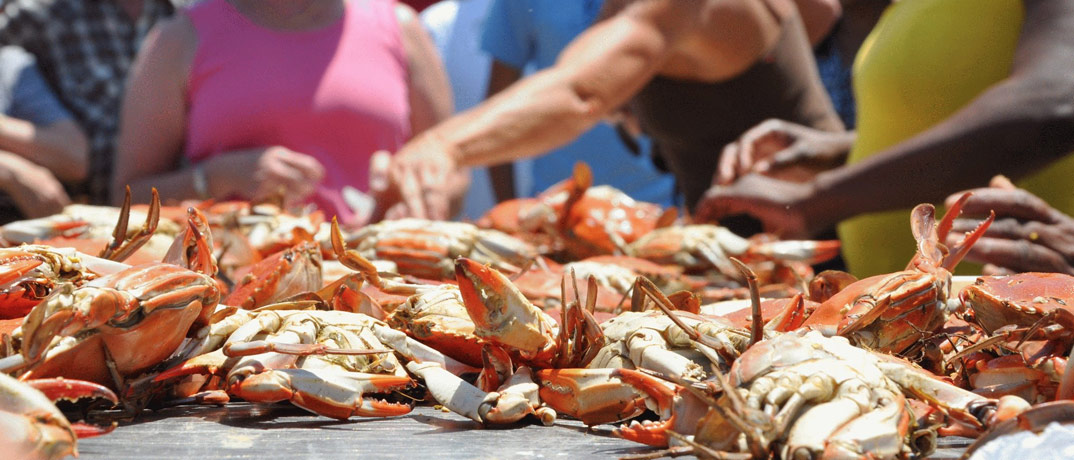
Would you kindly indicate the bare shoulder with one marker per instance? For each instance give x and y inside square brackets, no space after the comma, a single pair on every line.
[174,41]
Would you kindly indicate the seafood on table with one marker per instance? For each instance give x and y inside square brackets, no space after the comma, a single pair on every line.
[580,303]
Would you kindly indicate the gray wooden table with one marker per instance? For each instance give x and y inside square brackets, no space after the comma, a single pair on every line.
[239,431]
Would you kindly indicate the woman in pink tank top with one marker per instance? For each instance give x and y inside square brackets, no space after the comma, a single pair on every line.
[258,95]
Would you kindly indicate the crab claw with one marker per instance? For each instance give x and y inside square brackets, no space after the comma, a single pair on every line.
[15,264]
[809,251]
[193,247]
[664,394]
[594,396]
[30,425]
[332,393]
[73,390]
[502,315]
[68,311]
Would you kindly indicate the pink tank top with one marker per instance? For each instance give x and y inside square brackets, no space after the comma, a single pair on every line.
[338,93]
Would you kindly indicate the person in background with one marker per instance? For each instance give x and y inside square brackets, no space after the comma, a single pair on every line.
[455,27]
[259,97]
[700,73]
[530,34]
[40,143]
[85,49]
[950,93]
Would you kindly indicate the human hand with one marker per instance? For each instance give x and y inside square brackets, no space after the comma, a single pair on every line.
[782,150]
[1027,235]
[259,173]
[781,206]
[418,181]
[34,189]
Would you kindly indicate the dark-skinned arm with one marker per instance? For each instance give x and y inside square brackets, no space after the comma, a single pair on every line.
[1016,127]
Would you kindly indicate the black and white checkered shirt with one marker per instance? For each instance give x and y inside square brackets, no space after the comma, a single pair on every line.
[84,49]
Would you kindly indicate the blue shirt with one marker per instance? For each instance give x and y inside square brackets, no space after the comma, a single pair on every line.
[23,91]
[531,33]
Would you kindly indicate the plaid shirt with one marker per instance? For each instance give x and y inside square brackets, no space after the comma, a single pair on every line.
[84,49]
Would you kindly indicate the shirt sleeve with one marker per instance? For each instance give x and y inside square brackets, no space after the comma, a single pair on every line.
[508,33]
[27,95]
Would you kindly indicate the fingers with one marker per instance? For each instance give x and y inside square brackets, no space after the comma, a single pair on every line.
[410,191]
[1001,181]
[1007,228]
[1016,203]
[1019,256]
[379,170]
[308,166]
[995,270]
[725,170]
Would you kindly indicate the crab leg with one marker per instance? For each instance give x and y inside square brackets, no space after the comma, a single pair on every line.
[329,392]
[594,396]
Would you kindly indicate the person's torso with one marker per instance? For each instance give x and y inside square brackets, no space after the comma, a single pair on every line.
[85,50]
[924,61]
[692,119]
[337,93]
[554,24]
[906,84]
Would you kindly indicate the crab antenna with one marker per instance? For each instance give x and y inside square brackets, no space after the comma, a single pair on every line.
[757,329]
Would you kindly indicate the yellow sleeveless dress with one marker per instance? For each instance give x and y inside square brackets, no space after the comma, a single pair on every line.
[924,61]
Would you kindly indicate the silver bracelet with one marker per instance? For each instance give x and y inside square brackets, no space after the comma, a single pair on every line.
[200,181]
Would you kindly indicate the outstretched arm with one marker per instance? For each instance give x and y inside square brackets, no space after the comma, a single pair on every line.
[598,72]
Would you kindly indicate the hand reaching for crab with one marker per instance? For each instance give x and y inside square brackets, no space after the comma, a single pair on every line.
[420,181]
[781,206]
[261,172]
[1028,234]
[783,150]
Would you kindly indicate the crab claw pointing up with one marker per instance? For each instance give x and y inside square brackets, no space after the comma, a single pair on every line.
[502,315]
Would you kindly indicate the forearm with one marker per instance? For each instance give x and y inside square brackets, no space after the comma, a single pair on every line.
[598,72]
[172,185]
[60,147]
[1014,128]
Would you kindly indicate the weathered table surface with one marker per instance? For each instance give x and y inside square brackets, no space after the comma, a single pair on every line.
[242,430]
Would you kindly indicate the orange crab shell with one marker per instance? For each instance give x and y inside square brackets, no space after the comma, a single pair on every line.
[286,273]
[1019,299]
[148,311]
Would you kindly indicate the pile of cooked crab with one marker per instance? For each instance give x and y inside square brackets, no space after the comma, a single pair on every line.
[580,303]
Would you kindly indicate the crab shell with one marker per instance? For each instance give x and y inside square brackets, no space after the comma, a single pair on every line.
[138,316]
[284,274]
[1020,299]
[438,318]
